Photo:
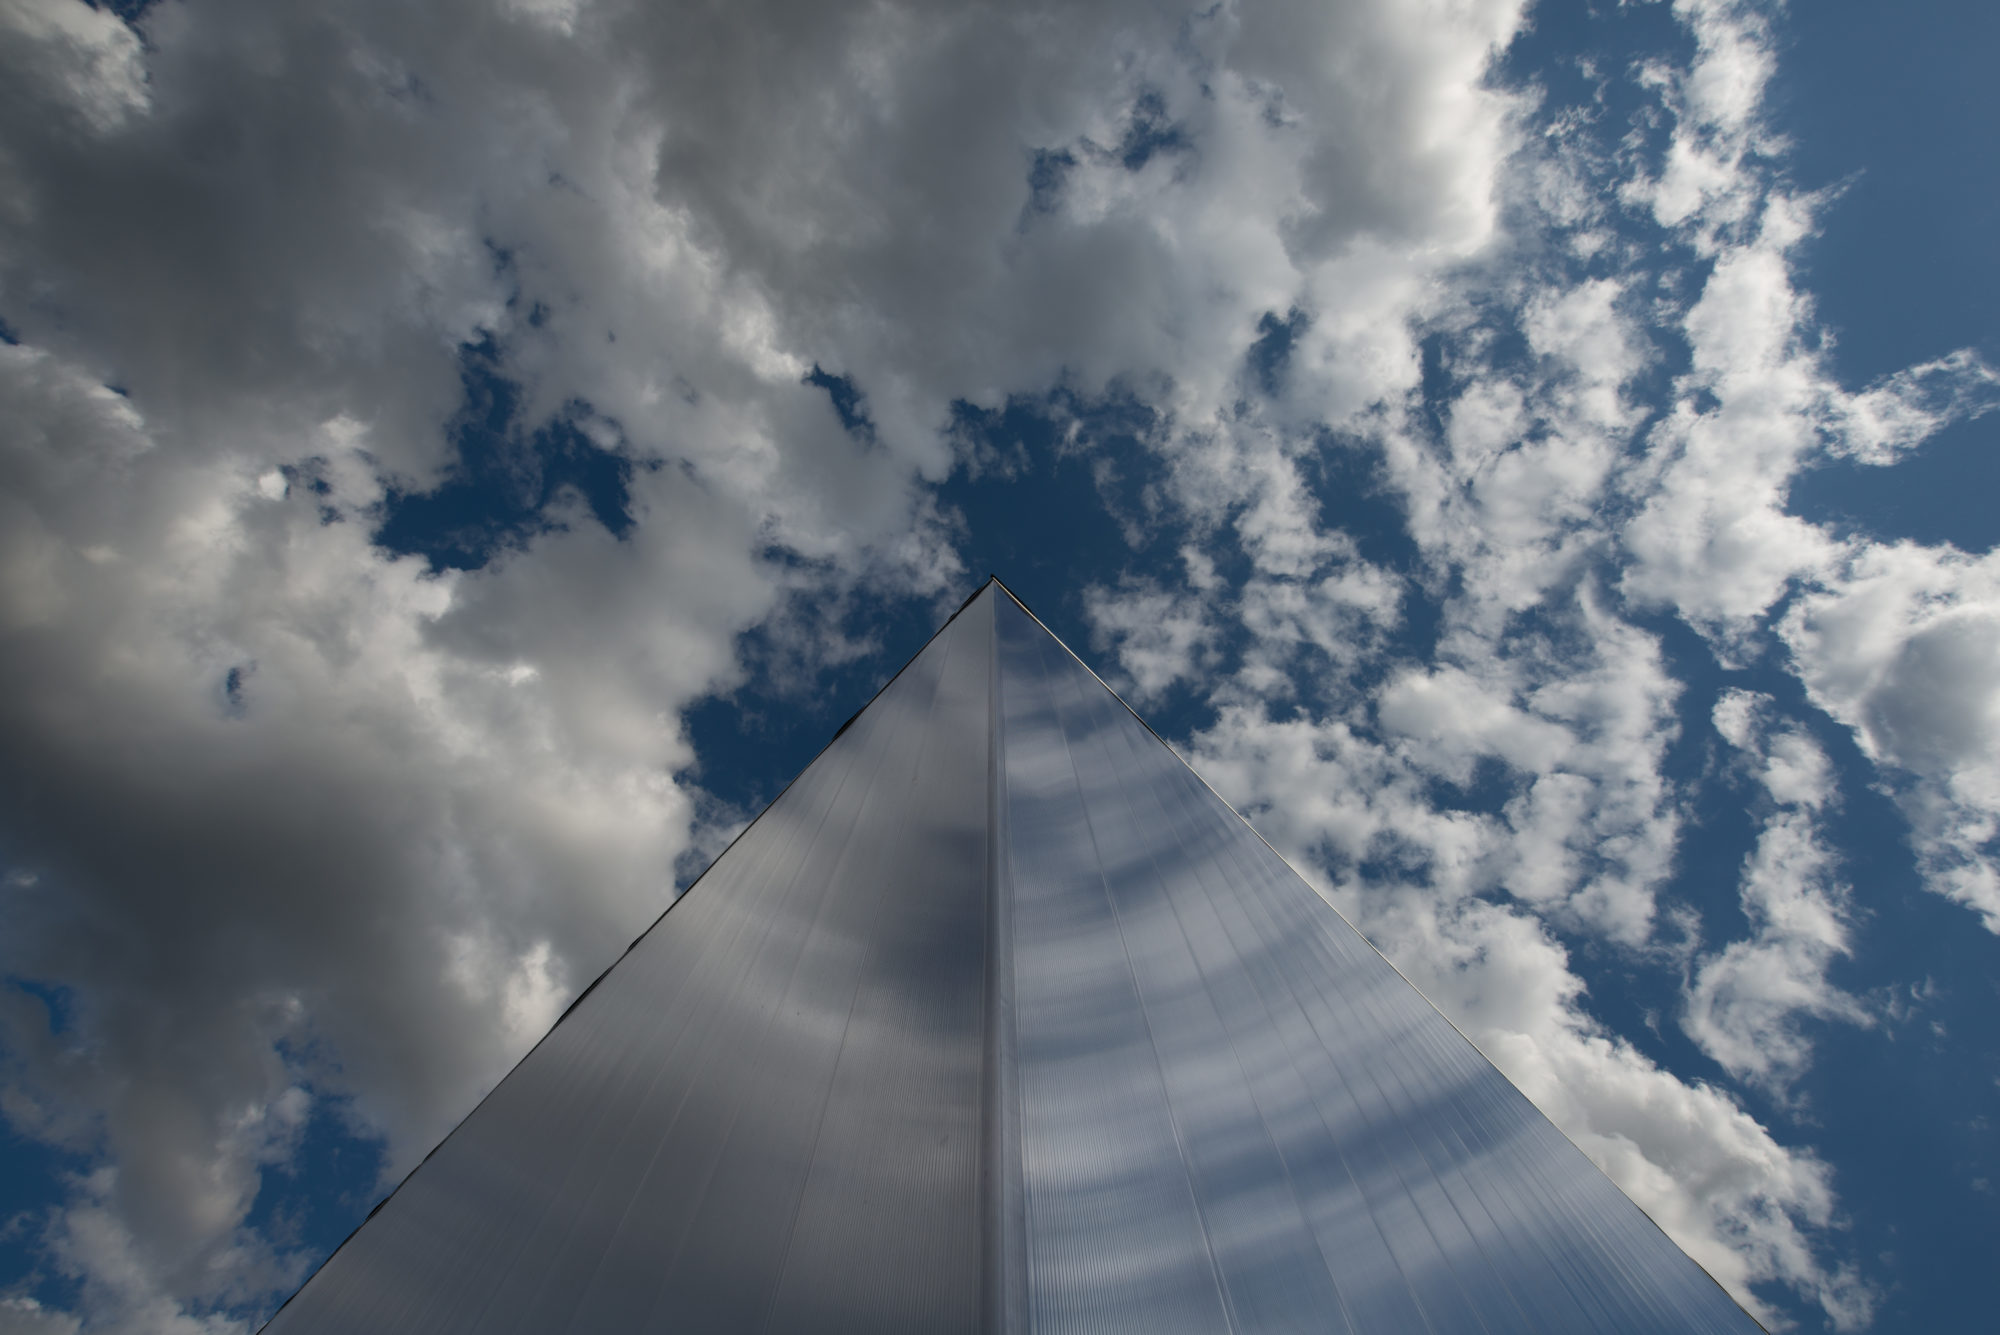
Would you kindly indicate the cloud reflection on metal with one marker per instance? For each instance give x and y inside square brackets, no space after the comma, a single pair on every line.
[999,1019]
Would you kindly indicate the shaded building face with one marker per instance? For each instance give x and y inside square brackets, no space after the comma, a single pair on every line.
[999,1019]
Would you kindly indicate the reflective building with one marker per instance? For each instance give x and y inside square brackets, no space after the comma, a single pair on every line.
[999,1019]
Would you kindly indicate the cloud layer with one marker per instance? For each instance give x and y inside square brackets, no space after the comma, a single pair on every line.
[301,826]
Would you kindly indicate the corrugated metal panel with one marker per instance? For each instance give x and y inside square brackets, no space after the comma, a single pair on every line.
[1000,1019]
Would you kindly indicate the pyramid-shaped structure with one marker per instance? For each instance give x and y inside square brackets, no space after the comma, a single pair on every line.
[999,1019]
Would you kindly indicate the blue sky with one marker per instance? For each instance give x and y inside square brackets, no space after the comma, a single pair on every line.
[460,463]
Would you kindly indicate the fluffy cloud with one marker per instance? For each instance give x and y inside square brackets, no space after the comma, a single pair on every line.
[25,1316]
[1903,646]
[302,825]
[1158,637]
[1746,1001]
[302,828]
[1895,640]
[1477,793]
[1740,1202]
[276,794]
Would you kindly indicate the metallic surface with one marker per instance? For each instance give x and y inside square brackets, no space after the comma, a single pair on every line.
[1234,1113]
[999,1019]
[767,1115]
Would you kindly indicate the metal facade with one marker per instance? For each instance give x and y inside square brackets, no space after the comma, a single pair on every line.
[999,1019]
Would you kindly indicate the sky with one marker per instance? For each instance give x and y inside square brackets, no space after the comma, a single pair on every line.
[459,461]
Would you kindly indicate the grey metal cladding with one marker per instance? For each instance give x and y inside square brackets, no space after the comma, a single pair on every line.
[1235,1114]
[999,1019]
[766,1116]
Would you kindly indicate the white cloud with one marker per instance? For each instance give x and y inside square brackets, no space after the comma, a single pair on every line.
[1452,721]
[276,793]
[1893,639]
[1903,646]
[25,1316]
[1158,636]
[1706,181]
[94,1243]
[452,797]
[1791,767]
[1741,1203]
[295,853]
[1714,539]
[1512,496]
[1745,1001]
[1904,409]
[1526,480]
[76,65]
